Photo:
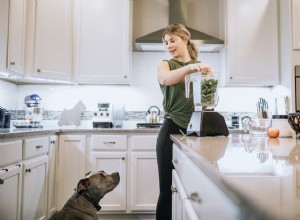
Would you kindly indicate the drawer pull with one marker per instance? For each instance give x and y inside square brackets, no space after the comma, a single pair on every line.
[39,146]
[173,189]
[109,142]
[52,142]
[175,161]
[6,170]
[12,63]
[195,197]
[28,170]
[1,181]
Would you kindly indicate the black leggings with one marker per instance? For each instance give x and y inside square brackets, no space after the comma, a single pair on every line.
[164,161]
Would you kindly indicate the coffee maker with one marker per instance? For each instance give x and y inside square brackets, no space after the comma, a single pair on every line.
[205,121]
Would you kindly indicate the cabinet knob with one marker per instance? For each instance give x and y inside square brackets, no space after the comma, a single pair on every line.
[175,161]
[39,146]
[28,170]
[231,77]
[52,142]
[12,63]
[1,181]
[109,142]
[173,189]
[195,197]
[125,76]
[123,158]
[38,70]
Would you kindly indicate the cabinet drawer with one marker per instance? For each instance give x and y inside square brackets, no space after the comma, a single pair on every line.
[10,152]
[35,146]
[109,142]
[144,142]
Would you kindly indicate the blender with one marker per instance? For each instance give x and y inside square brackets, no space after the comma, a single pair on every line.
[205,121]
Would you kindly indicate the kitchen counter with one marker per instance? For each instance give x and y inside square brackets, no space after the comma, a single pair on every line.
[15,133]
[260,174]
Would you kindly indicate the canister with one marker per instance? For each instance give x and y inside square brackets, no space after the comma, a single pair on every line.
[281,122]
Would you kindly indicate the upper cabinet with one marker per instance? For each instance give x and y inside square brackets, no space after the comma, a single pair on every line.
[251,35]
[296,24]
[49,39]
[102,41]
[16,36]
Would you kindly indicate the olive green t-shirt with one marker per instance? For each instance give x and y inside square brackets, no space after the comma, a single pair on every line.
[176,105]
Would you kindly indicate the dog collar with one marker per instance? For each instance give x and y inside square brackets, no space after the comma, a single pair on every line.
[95,204]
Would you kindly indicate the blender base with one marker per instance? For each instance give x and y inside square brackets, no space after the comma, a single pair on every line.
[207,123]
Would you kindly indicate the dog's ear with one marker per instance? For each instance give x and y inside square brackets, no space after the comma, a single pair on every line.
[83,184]
[88,173]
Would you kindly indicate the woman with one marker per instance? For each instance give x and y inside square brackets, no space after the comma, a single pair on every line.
[178,109]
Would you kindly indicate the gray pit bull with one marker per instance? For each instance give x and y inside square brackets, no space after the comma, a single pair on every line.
[84,203]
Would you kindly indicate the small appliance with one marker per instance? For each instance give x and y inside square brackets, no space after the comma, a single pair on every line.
[5,116]
[104,117]
[205,121]
[33,112]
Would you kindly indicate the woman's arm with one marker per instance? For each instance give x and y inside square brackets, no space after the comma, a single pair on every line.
[169,77]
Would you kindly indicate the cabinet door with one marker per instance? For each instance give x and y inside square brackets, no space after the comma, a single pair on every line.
[112,162]
[4,12]
[252,42]
[10,193]
[51,175]
[144,184]
[34,200]
[16,36]
[53,39]
[71,166]
[102,50]
[296,24]
[178,197]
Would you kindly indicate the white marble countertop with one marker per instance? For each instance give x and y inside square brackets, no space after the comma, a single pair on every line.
[262,172]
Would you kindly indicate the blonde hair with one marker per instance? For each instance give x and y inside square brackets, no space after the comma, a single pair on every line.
[182,32]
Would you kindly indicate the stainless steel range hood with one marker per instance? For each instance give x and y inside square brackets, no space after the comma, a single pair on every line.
[178,14]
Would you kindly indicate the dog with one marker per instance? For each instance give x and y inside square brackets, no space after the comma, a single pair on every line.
[84,203]
[72,116]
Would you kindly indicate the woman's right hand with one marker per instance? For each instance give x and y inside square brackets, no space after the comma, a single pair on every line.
[200,67]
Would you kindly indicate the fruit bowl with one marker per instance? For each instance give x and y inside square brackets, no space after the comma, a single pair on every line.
[294,121]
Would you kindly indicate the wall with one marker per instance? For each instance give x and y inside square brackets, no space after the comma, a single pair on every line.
[8,95]
[142,93]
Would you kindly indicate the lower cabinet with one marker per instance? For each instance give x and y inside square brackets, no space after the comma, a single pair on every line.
[10,192]
[144,185]
[71,166]
[51,175]
[201,198]
[34,199]
[109,153]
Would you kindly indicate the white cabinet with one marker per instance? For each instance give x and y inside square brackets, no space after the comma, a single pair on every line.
[10,192]
[144,173]
[34,198]
[16,36]
[109,153]
[178,197]
[102,50]
[4,10]
[251,33]
[51,175]
[35,173]
[10,180]
[49,39]
[203,195]
[296,24]
[71,166]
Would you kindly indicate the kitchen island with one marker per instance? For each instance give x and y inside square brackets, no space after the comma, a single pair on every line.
[254,177]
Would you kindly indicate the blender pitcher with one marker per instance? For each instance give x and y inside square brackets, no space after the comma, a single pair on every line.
[205,121]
